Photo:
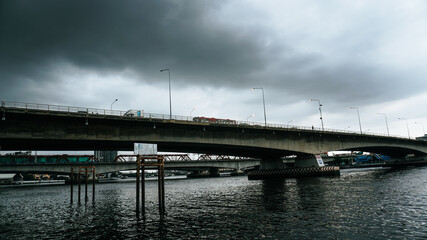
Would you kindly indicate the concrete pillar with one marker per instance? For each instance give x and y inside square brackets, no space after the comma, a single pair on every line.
[214,172]
[271,163]
[309,161]
[237,172]
[18,178]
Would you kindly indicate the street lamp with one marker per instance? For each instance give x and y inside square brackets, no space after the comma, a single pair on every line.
[4,117]
[424,132]
[170,98]
[263,102]
[358,115]
[386,123]
[320,110]
[113,103]
[407,125]
[194,108]
[252,115]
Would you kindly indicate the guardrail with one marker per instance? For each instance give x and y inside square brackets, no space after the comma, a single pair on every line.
[124,114]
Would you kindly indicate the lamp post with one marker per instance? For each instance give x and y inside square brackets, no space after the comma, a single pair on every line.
[252,115]
[407,126]
[424,132]
[194,108]
[170,96]
[358,116]
[320,110]
[263,102]
[386,123]
[113,103]
[4,117]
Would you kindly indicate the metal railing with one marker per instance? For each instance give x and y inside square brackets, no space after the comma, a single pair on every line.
[124,114]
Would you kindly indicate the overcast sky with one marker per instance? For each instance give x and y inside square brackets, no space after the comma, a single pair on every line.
[368,54]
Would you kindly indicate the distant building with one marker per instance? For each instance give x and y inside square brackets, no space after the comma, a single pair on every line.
[423,138]
[106,156]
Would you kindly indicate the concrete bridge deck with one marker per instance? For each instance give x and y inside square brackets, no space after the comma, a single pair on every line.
[32,128]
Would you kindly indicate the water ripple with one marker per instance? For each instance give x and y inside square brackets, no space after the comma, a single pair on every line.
[370,204]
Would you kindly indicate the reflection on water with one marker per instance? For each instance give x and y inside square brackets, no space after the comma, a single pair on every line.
[368,204]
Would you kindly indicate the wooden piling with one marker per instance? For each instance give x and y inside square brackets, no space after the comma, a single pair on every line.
[79,188]
[86,176]
[71,185]
[143,186]
[138,166]
[159,163]
[93,185]
[159,185]
[162,184]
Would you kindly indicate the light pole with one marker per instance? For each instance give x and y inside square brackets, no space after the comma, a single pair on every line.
[424,132]
[407,126]
[358,116]
[4,117]
[170,96]
[386,123]
[194,108]
[113,103]
[252,115]
[320,110]
[263,102]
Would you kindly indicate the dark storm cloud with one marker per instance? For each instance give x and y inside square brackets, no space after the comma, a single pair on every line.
[38,37]
[112,36]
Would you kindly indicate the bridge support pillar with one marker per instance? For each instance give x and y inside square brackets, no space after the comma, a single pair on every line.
[304,161]
[237,172]
[214,172]
[305,166]
[271,163]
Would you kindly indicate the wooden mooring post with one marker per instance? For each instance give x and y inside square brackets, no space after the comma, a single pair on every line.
[71,185]
[86,170]
[140,181]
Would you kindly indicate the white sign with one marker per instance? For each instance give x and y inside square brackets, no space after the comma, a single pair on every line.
[320,160]
[145,149]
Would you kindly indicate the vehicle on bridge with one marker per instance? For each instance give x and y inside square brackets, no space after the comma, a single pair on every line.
[134,113]
[214,120]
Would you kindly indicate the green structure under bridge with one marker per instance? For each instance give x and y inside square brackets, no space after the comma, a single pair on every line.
[30,159]
[63,163]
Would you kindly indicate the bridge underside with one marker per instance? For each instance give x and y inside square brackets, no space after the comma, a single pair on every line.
[90,145]
[389,151]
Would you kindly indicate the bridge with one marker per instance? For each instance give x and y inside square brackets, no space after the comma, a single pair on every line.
[52,127]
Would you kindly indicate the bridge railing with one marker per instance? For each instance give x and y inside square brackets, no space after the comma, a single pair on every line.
[125,114]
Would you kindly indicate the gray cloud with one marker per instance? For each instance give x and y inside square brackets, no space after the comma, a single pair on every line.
[109,37]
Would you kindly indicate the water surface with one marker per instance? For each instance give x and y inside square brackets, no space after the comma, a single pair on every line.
[360,204]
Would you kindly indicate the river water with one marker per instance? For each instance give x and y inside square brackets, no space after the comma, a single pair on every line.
[360,204]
